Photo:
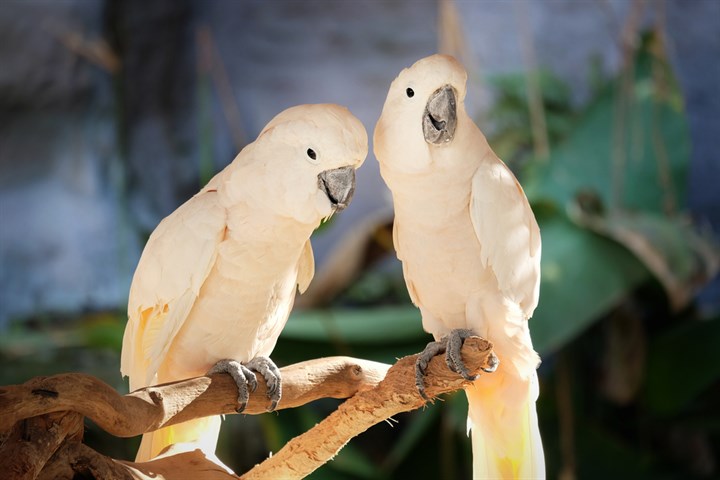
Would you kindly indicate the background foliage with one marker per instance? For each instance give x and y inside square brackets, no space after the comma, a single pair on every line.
[629,381]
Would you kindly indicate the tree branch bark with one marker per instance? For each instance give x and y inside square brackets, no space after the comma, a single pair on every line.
[31,443]
[377,392]
[395,394]
[151,408]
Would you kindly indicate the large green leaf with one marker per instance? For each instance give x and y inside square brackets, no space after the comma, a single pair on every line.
[651,135]
[583,276]
[681,258]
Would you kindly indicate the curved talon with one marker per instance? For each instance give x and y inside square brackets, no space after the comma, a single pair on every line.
[270,372]
[251,378]
[419,376]
[431,350]
[493,362]
[451,345]
[453,357]
[244,379]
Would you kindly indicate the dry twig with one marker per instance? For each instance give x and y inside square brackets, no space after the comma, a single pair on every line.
[395,394]
[55,405]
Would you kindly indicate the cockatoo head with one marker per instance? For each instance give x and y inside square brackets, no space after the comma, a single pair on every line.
[422,111]
[309,154]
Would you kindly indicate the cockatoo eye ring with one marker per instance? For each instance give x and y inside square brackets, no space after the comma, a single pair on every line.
[311,153]
[410,92]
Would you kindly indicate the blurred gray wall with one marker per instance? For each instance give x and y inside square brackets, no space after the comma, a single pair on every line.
[110,109]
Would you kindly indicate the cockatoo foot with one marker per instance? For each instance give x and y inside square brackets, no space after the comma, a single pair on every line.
[246,381]
[243,376]
[451,345]
[492,363]
[431,350]
[453,357]
[270,372]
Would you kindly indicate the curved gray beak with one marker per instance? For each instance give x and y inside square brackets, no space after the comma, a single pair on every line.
[338,185]
[440,117]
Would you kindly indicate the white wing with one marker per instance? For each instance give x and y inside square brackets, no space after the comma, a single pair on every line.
[173,267]
[508,233]
[306,267]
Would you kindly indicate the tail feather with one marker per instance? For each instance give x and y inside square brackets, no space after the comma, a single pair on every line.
[202,433]
[506,440]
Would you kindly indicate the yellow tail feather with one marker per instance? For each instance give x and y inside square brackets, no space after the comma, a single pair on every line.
[506,440]
[202,432]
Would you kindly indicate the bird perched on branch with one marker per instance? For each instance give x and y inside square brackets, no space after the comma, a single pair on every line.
[217,279]
[470,249]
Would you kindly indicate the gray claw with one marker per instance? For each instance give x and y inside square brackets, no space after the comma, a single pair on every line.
[243,377]
[493,362]
[431,350]
[270,372]
[453,357]
[451,344]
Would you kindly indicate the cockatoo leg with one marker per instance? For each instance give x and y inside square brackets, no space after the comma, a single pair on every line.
[431,350]
[453,357]
[270,372]
[243,376]
[450,344]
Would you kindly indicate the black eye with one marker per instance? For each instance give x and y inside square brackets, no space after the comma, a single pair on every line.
[311,153]
[409,92]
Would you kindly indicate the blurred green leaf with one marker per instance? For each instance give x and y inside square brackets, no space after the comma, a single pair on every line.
[95,330]
[349,460]
[416,430]
[654,129]
[680,258]
[513,88]
[595,447]
[512,136]
[583,276]
[381,325]
[273,431]
[19,342]
[353,461]
[682,363]
[104,331]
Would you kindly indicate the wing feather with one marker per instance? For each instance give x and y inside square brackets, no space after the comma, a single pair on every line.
[306,267]
[412,291]
[508,233]
[173,267]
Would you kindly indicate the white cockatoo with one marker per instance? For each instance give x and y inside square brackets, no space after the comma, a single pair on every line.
[470,250]
[217,279]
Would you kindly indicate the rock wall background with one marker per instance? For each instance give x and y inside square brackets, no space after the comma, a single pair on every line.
[112,112]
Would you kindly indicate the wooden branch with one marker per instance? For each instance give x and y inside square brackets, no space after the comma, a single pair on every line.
[395,394]
[150,408]
[154,407]
[32,442]
[75,460]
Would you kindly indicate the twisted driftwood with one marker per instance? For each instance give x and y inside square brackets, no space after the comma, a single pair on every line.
[41,421]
